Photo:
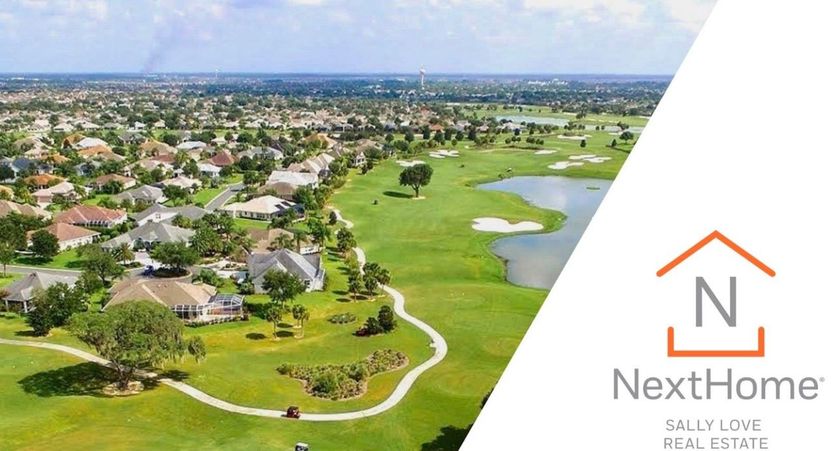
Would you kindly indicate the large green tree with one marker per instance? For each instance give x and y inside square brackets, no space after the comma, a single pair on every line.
[282,286]
[416,177]
[100,262]
[176,256]
[54,306]
[136,335]
[45,244]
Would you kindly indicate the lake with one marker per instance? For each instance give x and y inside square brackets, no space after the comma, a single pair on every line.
[536,260]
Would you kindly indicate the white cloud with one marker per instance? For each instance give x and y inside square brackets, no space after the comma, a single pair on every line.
[625,11]
[690,14]
[306,2]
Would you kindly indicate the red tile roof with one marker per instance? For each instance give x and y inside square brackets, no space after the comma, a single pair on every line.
[86,214]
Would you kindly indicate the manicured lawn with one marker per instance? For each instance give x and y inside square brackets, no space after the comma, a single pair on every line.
[94,200]
[590,119]
[206,195]
[8,279]
[65,260]
[244,223]
[450,279]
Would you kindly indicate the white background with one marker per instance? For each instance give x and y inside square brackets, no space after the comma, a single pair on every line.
[744,141]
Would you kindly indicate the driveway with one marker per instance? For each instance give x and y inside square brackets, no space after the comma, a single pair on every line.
[223,197]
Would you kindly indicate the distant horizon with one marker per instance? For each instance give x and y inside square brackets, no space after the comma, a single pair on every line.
[340,73]
[480,37]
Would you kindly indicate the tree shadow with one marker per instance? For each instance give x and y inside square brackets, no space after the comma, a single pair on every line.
[397,194]
[284,334]
[175,375]
[26,333]
[255,336]
[84,379]
[258,310]
[450,438]
[343,300]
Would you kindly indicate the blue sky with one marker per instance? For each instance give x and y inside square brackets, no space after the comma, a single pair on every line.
[349,36]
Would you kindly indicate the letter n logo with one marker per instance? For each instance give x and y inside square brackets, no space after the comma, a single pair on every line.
[704,295]
[703,288]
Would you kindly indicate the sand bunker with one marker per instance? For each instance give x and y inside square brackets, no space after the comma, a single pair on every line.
[576,138]
[503,226]
[444,154]
[597,159]
[407,164]
[545,152]
[564,164]
[581,157]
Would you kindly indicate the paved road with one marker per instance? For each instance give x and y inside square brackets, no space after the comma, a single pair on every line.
[30,269]
[61,272]
[437,342]
[223,197]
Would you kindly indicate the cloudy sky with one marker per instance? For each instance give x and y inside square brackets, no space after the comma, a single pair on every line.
[348,36]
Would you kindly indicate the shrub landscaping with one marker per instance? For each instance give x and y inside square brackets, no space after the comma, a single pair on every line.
[344,381]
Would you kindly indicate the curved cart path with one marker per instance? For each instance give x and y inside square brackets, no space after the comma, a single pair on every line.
[437,342]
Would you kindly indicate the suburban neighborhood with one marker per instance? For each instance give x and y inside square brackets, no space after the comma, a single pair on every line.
[265,254]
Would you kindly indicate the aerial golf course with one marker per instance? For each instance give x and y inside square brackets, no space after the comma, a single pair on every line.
[444,268]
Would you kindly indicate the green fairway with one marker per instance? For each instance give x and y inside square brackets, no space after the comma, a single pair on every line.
[450,279]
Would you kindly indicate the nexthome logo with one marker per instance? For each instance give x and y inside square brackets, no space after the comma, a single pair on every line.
[713,383]
[702,288]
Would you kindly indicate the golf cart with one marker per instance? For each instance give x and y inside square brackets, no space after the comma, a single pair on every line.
[293,412]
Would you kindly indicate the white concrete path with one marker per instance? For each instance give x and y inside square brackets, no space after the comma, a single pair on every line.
[437,342]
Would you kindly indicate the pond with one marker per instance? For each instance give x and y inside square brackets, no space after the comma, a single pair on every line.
[536,260]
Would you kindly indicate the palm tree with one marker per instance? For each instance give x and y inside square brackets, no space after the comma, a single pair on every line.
[283,241]
[124,253]
[301,314]
[299,236]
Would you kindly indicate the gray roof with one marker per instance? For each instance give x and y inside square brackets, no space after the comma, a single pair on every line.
[262,151]
[151,232]
[25,289]
[145,192]
[305,267]
[190,212]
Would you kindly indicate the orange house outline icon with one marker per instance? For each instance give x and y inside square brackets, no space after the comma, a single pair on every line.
[715,235]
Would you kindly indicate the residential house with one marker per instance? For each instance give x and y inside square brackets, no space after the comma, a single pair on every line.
[8,207]
[103,153]
[149,235]
[124,182]
[268,153]
[86,143]
[209,170]
[297,179]
[152,148]
[69,236]
[283,190]
[265,241]
[306,267]
[164,214]
[92,216]
[20,293]
[144,193]
[42,181]
[63,190]
[181,182]
[191,145]
[193,303]
[222,159]
[263,208]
